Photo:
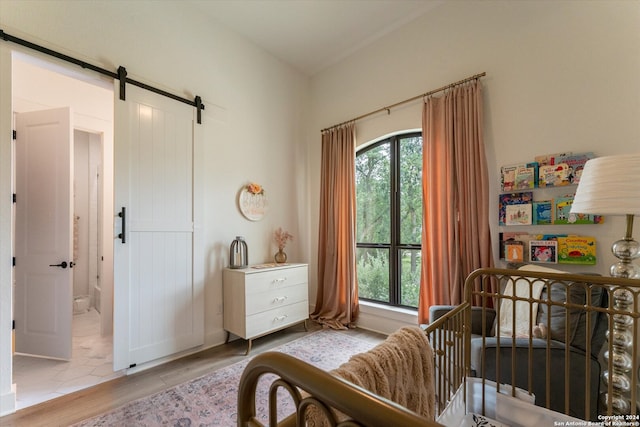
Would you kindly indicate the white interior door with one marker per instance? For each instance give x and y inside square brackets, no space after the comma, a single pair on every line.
[157,309]
[43,239]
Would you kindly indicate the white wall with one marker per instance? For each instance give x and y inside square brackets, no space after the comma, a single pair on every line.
[254,121]
[561,76]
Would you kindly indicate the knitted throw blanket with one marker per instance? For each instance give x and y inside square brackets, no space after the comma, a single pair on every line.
[399,369]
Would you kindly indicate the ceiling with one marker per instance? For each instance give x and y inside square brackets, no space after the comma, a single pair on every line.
[313,34]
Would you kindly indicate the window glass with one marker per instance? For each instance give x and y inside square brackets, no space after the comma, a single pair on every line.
[389,220]
[411,190]
[410,265]
[373,274]
[373,187]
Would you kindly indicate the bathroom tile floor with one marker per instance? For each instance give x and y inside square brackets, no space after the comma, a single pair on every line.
[40,379]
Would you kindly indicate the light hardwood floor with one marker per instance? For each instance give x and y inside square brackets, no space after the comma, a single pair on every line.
[104,397]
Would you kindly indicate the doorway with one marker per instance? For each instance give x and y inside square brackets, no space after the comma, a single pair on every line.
[87,220]
[40,85]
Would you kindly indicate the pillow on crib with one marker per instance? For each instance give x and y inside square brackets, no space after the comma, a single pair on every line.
[524,288]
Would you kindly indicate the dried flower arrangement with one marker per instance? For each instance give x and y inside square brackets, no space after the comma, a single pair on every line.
[282,237]
[255,188]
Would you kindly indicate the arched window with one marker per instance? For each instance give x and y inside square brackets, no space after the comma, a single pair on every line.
[389,220]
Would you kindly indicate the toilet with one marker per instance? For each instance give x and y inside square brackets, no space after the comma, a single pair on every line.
[80,304]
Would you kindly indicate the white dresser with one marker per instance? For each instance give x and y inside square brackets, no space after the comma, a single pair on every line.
[258,301]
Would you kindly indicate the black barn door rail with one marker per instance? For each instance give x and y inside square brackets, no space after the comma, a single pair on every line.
[120,75]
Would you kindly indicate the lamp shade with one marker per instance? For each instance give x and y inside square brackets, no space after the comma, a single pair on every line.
[609,186]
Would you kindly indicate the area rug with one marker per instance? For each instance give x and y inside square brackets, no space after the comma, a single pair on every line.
[211,400]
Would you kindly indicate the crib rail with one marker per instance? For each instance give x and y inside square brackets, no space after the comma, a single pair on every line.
[309,386]
[325,391]
[447,337]
[573,380]
[562,371]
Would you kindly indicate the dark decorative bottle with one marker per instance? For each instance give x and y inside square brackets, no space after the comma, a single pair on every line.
[238,253]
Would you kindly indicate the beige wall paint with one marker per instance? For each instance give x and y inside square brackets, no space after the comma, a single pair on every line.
[561,76]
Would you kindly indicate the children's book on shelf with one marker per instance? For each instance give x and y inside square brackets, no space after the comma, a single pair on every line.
[563,215]
[554,175]
[520,238]
[513,235]
[543,212]
[519,214]
[509,199]
[543,251]
[526,176]
[522,176]
[508,177]
[578,218]
[550,159]
[561,209]
[577,250]
[575,162]
[514,251]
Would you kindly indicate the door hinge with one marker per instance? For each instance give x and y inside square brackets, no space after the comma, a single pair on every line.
[15,197]
[14,135]
[13,324]
[13,261]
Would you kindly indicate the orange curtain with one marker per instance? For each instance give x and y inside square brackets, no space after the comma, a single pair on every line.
[337,297]
[455,235]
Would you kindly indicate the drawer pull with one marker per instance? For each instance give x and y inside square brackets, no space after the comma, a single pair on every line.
[280,318]
[279,299]
[280,280]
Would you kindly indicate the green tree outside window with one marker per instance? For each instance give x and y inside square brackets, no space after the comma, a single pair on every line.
[389,220]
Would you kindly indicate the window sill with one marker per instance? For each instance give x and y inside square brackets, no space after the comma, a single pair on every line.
[385,319]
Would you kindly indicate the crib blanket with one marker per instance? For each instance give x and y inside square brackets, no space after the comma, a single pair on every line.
[399,369]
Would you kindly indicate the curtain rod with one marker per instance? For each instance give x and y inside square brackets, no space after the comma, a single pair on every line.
[388,109]
[120,75]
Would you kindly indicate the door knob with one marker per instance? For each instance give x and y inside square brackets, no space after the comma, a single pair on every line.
[63,264]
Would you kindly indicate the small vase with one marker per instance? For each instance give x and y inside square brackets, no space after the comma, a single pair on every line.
[280,257]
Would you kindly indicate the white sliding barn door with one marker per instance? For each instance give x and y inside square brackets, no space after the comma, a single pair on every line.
[157,303]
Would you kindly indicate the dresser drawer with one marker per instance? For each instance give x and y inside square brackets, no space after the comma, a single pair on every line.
[267,300]
[276,279]
[278,318]
[258,301]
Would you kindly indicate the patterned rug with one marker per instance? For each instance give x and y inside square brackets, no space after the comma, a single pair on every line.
[211,400]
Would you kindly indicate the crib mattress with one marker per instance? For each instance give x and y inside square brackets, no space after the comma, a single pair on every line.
[501,409]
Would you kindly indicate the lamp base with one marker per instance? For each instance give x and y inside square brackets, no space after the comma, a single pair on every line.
[619,361]
[626,250]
